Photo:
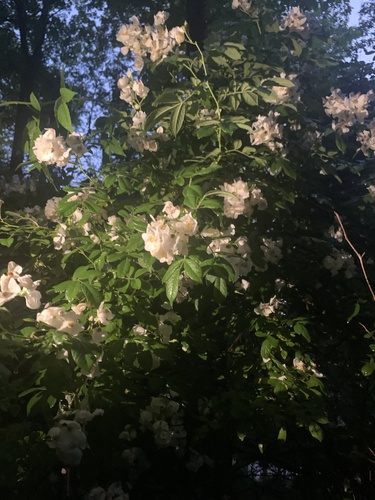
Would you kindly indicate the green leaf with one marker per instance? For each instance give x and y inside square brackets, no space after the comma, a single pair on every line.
[59,337]
[28,330]
[282,82]
[92,207]
[300,329]
[63,117]
[282,434]
[220,60]
[92,294]
[34,102]
[136,284]
[241,435]
[357,308]
[297,47]
[232,53]
[193,269]
[267,346]
[154,117]
[197,170]
[34,402]
[287,169]
[171,280]
[341,146]
[72,290]
[83,360]
[85,273]
[61,287]
[66,208]
[167,98]
[177,118]
[250,98]
[368,368]
[214,204]
[316,431]
[124,269]
[6,242]
[137,223]
[115,147]
[220,289]
[202,132]
[192,195]
[67,94]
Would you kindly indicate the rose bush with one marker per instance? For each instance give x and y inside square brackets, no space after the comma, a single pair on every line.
[197,291]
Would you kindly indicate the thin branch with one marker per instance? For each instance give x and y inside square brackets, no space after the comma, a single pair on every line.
[359,256]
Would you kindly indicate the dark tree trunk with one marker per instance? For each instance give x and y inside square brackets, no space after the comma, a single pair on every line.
[196,18]
[32,62]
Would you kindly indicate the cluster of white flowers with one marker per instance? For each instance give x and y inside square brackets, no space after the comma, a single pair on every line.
[367,139]
[298,364]
[131,89]
[114,492]
[296,22]
[103,314]
[347,110]
[68,439]
[241,200]
[168,236]
[184,284]
[50,210]
[13,284]
[311,138]
[54,150]
[85,416]
[244,5]
[371,190]
[206,115]
[266,131]
[139,139]
[69,321]
[339,259]
[272,250]
[113,221]
[35,214]
[16,185]
[81,195]
[267,308]
[129,433]
[285,94]
[236,253]
[166,321]
[335,233]
[61,240]
[61,320]
[154,40]
[164,418]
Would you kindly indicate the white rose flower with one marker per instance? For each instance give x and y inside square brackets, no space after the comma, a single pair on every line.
[51,149]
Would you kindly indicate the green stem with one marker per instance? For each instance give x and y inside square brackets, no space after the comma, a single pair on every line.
[218,110]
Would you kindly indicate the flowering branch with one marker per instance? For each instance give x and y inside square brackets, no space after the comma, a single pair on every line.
[359,256]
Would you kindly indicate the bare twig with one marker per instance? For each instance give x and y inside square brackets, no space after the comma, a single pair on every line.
[365,328]
[359,256]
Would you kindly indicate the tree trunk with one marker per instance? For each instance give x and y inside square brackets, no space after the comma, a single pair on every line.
[32,61]
[196,18]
